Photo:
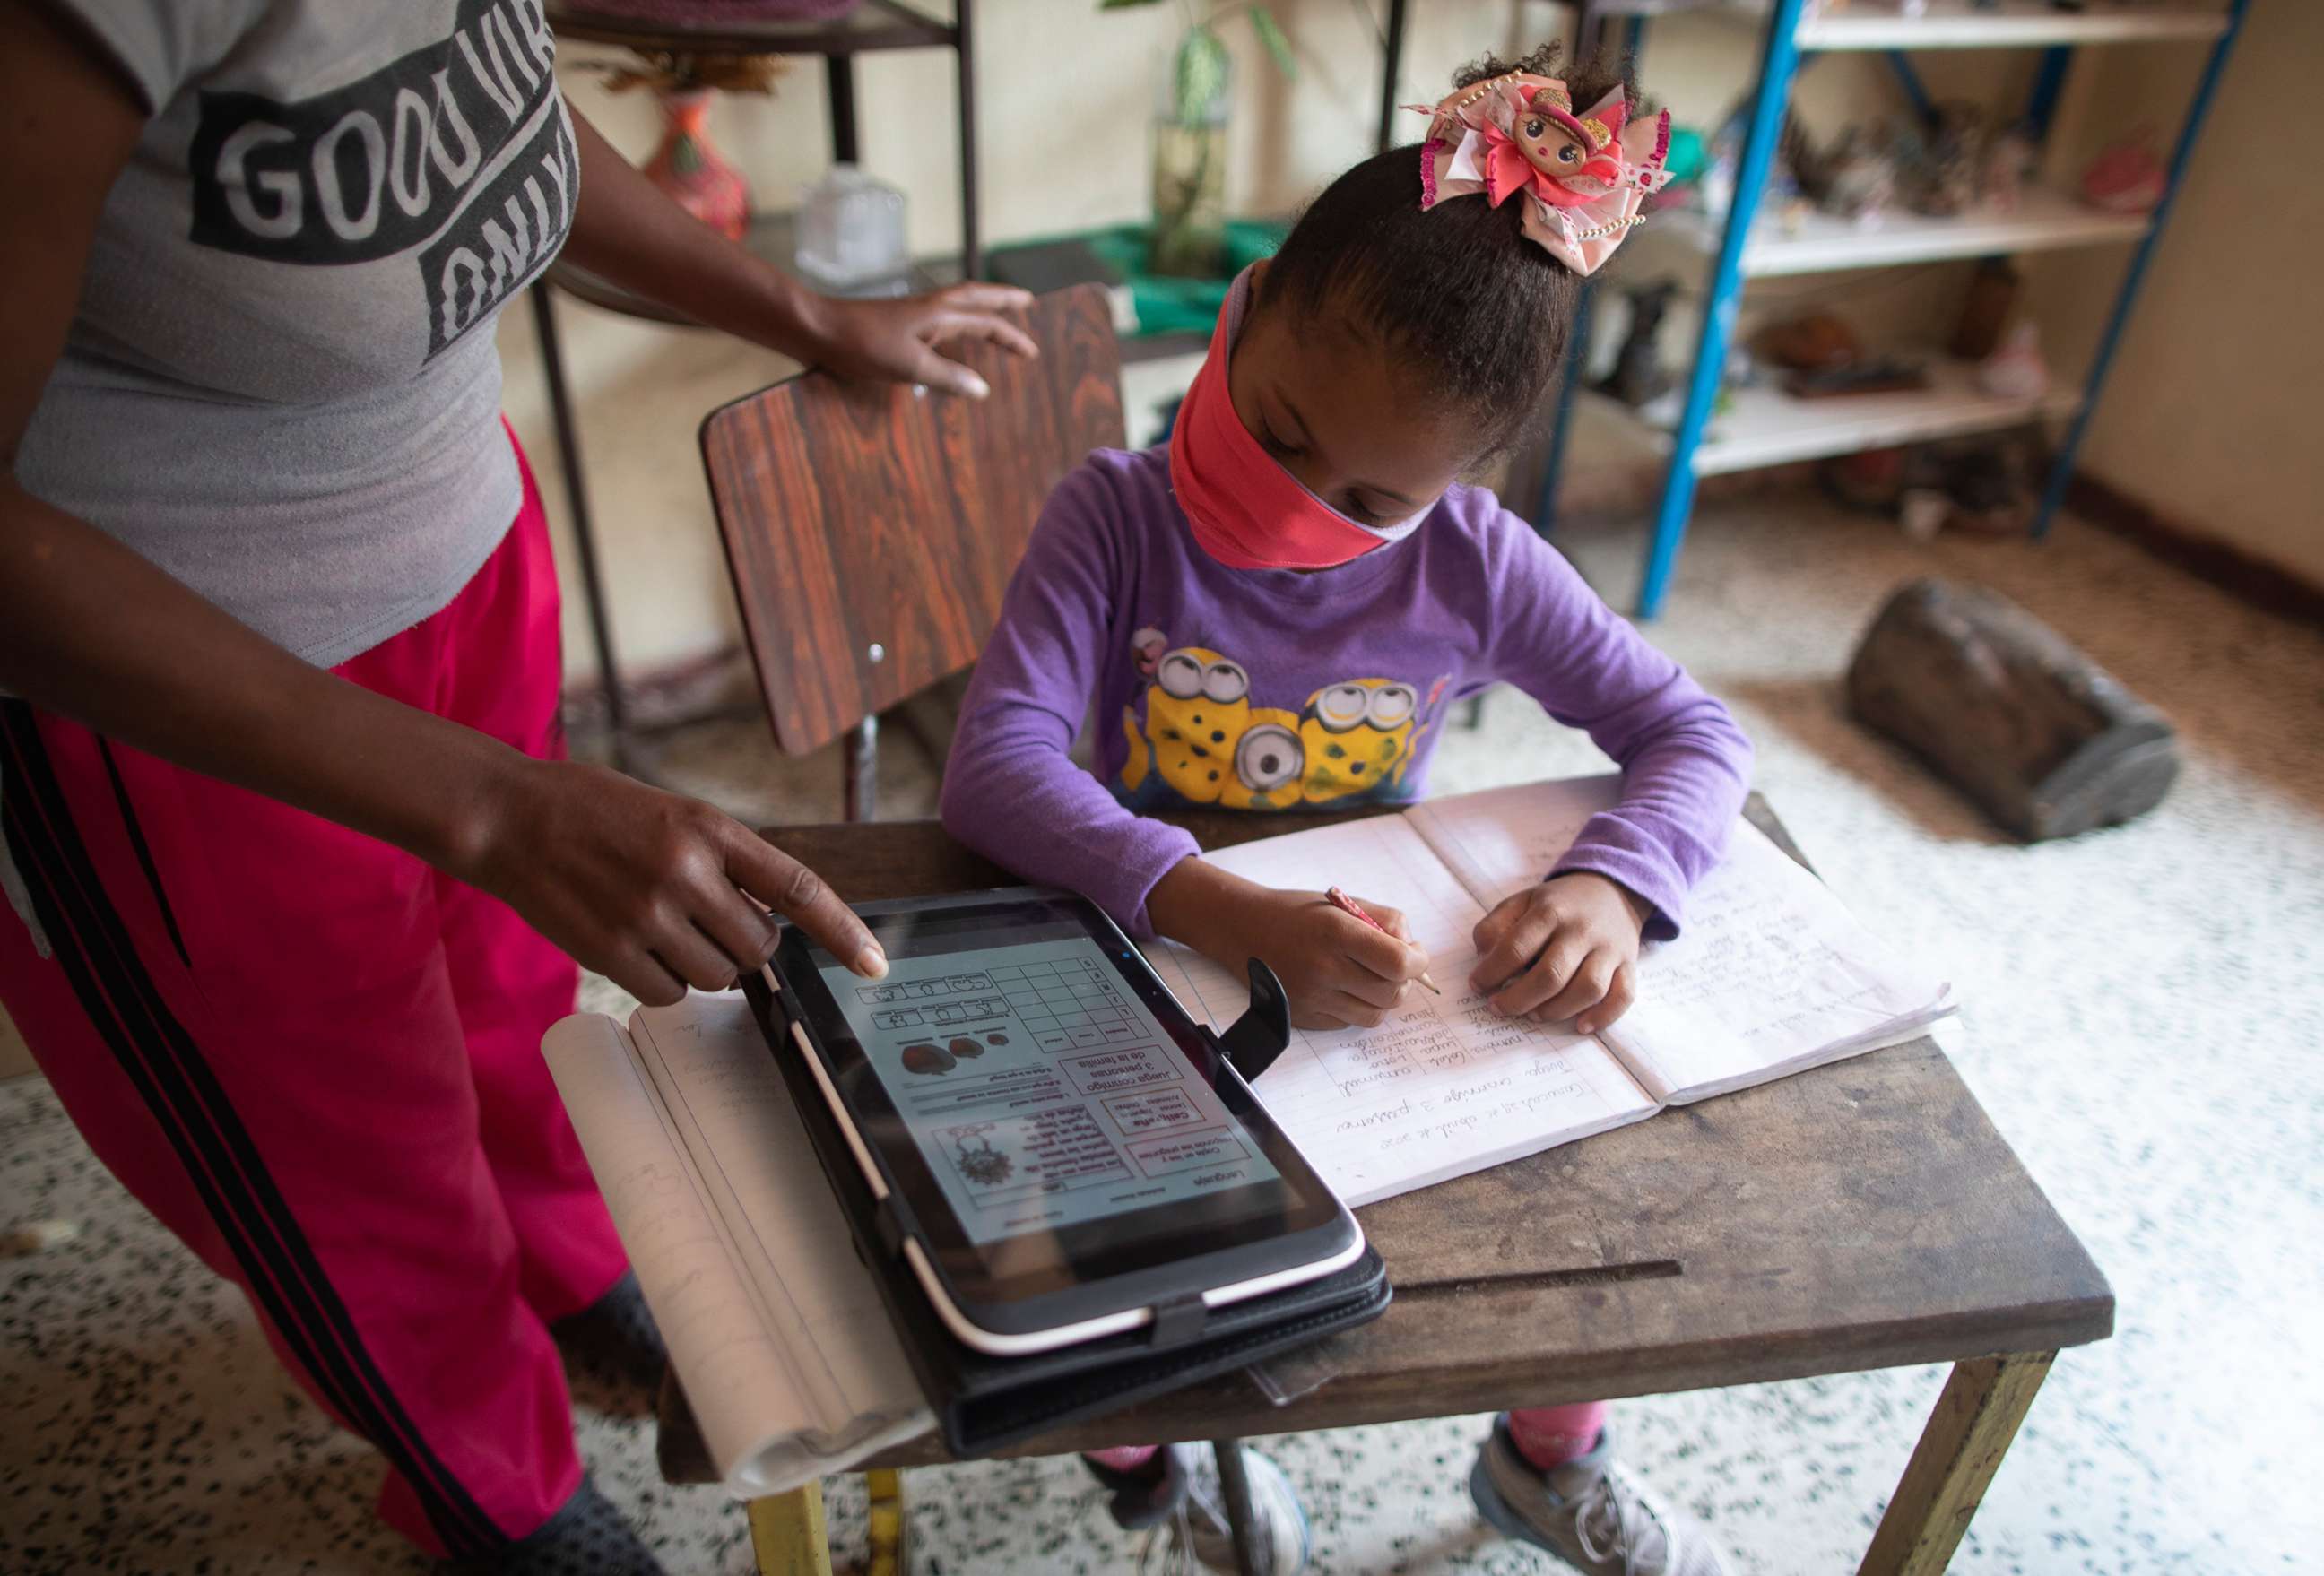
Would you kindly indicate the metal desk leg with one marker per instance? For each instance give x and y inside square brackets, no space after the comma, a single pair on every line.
[584,536]
[1234,1487]
[860,791]
[787,1536]
[1975,1420]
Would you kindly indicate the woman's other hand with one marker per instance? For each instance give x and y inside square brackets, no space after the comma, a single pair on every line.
[906,338]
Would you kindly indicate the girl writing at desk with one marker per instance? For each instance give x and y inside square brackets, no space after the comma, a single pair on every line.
[1278,608]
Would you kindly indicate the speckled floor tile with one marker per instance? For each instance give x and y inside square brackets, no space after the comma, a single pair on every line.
[2146,1015]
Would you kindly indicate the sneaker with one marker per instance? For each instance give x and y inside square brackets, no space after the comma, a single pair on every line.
[615,1338]
[586,1537]
[1587,1513]
[1196,1538]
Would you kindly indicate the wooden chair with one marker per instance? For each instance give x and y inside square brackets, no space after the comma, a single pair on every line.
[872,529]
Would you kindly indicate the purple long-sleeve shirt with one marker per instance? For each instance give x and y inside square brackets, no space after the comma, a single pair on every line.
[1268,689]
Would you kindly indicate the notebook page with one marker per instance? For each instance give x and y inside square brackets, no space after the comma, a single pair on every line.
[732,1111]
[1442,1088]
[1772,976]
[1500,840]
[739,1384]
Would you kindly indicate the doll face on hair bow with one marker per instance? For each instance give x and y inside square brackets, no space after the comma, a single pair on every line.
[1582,179]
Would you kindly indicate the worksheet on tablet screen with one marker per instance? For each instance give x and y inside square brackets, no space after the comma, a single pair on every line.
[1039,1089]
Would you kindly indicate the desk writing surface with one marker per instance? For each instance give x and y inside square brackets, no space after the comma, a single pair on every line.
[1861,1215]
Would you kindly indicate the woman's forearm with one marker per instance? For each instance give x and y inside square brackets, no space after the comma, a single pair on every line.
[628,230]
[92,631]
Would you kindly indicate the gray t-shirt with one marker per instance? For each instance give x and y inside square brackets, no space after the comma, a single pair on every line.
[281,385]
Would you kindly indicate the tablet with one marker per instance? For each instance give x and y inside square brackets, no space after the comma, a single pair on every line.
[1064,1148]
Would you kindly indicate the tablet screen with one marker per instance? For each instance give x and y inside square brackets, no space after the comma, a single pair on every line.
[1040,1091]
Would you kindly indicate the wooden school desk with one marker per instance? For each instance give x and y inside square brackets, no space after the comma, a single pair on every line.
[1863,1215]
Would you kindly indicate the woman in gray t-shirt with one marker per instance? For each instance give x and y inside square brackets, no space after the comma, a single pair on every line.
[297,872]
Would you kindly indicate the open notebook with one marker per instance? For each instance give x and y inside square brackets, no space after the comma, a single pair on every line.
[1770,977]
[773,1325]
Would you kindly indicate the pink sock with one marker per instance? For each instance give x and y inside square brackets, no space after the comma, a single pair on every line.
[1124,1457]
[1550,1436]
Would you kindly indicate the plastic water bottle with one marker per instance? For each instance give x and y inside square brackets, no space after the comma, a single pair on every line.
[851,236]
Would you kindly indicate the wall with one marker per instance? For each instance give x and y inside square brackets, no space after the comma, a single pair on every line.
[2210,408]
[1065,97]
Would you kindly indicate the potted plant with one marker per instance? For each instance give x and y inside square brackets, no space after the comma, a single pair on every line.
[1189,135]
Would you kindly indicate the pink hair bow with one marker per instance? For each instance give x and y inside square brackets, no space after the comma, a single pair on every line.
[1582,179]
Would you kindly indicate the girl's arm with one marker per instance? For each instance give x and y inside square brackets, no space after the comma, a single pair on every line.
[1686,766]
[627,229]
[1568,948]
[1010,791]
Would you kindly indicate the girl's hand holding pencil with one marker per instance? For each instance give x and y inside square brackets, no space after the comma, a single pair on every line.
[1344,963]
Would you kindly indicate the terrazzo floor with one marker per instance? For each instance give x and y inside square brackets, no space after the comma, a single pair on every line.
[2145,1014]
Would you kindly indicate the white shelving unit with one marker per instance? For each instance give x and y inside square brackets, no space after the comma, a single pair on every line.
[2042,221]
[1762,426]
[1957,25]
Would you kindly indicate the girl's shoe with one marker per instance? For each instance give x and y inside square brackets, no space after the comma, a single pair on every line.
[1587,1513]
[1191,1535]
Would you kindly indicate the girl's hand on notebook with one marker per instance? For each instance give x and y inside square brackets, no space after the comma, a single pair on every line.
[1338,972]
[654,890]
[1565,949]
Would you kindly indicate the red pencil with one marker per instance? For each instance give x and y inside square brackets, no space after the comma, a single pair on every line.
[1347,905]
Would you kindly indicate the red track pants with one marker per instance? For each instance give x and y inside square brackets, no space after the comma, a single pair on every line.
[318,1062]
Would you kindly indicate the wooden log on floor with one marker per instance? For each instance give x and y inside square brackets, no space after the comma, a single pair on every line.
[2045,741]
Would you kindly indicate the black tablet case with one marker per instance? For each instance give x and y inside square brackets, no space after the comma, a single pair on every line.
[983,1403]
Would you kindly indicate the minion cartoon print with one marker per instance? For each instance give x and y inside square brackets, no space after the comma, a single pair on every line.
[1204,743]
[1357,737]
[1196,710]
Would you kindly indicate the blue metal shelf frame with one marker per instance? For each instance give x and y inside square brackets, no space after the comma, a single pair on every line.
[1779,65]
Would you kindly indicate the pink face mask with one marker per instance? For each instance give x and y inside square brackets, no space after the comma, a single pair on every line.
[1248,512]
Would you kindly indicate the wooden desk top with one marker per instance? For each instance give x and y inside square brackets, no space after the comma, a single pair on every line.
[1862,1215]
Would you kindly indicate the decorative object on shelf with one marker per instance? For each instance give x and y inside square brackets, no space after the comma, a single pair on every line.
[2127,177]
[1854,179]
[1885,375]
[1987,309]
[2045,741]
[2009,165]
[1638,376]
[1859,179]
[688,168]
[686,165]
[1190,137]
[1986,488]
[1872,481]
[1580,177]
[1921,511]
[1818,341]
[2016,371]
[851,236]
[1941,172]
